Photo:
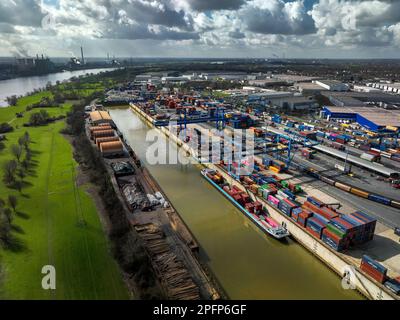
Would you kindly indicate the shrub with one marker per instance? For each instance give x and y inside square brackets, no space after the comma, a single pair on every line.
[5,127]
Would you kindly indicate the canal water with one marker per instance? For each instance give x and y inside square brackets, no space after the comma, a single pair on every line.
[247,263]
[23,85]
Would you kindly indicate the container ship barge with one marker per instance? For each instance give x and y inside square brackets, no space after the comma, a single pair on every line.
[252,209]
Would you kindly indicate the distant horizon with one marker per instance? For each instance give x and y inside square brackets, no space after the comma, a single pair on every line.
[194,58]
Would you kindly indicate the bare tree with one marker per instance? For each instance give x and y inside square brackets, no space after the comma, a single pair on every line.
[16,151]
[13,202]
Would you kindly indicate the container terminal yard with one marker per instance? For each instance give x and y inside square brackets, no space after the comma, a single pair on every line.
[329,185]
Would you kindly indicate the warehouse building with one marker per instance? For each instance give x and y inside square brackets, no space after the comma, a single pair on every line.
[388,87]
[372,118]
[332,85]
[297,103]
[309,88]
[352,98]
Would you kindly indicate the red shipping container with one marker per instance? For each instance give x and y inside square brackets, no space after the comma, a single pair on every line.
[305,214]
[376,275]
[300,222]
[314,233]
[258,205]
[245,198]
[238,199]
[236,188]
[249,208]
[335,238]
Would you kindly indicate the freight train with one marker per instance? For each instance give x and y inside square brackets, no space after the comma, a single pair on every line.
[356,191]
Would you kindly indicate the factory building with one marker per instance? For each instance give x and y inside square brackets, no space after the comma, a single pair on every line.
[332,85]
[372,118]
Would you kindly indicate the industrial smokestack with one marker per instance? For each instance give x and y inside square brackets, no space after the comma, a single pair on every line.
[82,57]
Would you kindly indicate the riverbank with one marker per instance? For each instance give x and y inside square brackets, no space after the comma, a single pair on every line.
[23,85]
[168,243]
[333,260]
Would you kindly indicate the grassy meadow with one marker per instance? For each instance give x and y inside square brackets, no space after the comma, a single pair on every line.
[56,222]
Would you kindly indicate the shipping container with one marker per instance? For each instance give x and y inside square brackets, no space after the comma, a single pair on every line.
[315,201]
[342,186]
[359,192]
[378,198]
[374,264]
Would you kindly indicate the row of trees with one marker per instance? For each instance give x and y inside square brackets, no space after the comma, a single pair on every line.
[19,166]
[6,218]
[127,247]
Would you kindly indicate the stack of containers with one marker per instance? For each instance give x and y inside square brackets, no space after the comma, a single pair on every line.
[315,226]
[367,230]
[273,200]
[339,234]
[287,206]
[374,269]
[295,213]
[303,217]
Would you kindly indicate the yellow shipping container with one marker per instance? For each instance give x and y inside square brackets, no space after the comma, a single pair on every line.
[274,169]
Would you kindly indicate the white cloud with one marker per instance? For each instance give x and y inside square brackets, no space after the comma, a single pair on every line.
[236,27]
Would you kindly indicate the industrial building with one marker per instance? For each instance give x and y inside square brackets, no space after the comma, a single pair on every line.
[309,88]
[352,98]
[372,118]
[332,85]
[297,103]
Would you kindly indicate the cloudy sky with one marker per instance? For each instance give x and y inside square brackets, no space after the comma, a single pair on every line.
[202,28]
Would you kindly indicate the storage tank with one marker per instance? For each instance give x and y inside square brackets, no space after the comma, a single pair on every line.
[103,133]
[111,147]
[106,139]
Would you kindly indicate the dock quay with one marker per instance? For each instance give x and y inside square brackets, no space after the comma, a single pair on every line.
[169,244]
[340,263]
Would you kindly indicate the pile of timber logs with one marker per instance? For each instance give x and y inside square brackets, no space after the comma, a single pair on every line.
[173,275]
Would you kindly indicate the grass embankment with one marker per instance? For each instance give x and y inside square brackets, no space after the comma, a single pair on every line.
[56,221]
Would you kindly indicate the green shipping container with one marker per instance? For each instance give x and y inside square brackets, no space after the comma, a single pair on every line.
[335,230]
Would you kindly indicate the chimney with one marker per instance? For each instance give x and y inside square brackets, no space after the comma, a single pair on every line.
[83,59]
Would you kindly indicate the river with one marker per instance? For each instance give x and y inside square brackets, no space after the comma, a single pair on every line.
[23,85]
[247,263]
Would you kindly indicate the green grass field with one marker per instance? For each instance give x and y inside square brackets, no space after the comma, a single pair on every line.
[57,223]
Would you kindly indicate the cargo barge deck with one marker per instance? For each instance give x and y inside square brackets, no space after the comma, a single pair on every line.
[266,224]
[338,262]
[168,242]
